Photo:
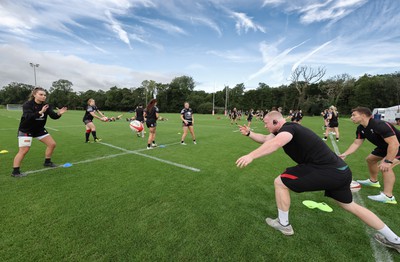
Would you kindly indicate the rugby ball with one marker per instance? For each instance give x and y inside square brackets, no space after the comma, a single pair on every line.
[136,126]
[355,186]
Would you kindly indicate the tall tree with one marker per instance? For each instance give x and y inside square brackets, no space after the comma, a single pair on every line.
[60,93]
[334,87]
[302,77]
[15,93]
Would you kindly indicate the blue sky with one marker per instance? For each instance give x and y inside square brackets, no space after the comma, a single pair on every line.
[97,44]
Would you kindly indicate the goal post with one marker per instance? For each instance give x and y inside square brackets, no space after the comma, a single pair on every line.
[14,107]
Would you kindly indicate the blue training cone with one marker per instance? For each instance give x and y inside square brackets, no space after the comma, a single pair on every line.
[67,165]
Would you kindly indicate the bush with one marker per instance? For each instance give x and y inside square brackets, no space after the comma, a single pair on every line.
[205,108]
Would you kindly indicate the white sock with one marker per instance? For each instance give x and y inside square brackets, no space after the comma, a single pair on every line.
[283,217]
[389,234]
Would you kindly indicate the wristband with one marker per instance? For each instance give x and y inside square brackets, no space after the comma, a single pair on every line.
[248,133]
[388,161]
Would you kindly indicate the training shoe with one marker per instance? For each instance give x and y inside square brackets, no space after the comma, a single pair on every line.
[50,164]
[18,175]
[183,144]
[286,230]
[154,145]
[149,147]
[383,198]
[381,239]
[324,139]
[97,140]
[368,182]
[194,142]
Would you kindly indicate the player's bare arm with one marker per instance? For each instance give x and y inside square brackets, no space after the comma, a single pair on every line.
[266,148]
[393,147]
[259,138]
[352,148]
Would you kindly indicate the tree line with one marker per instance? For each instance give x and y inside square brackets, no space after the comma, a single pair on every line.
[306,92]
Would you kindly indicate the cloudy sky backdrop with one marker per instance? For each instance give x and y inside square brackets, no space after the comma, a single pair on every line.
[97,44]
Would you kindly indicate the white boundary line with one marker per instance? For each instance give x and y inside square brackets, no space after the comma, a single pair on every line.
[125,152]
[52,128]
[380,253]
[153,157]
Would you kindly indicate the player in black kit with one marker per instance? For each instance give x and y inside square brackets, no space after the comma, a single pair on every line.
[384,157]
[318,168]
[333,123]
[139,117]
[33,120]
[187,123]
[90,113]
[151,116]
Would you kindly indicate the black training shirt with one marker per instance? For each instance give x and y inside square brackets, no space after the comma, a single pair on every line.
[88,115]
[187,114]
[308,148]
[31,121]
[139,113]
[152,115]
[376,131]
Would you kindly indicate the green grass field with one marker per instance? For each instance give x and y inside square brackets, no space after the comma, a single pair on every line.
[120,202]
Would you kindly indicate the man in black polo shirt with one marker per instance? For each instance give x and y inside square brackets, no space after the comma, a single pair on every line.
[384,157]
[317,169]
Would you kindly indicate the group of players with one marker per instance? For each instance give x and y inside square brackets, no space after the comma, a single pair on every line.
[318,168]
[36,111]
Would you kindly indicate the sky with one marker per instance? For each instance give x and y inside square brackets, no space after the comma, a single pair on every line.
[98,44]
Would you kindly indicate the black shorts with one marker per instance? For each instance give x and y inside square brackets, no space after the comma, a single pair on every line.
[383,152]
[151,123]
[333,124]
[87,121]
[334,181]
[36,133]
[188,124]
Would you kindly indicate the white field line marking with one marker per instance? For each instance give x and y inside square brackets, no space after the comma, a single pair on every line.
[116,155]
[380,252]
[153,157]
[77,163]
[52,128]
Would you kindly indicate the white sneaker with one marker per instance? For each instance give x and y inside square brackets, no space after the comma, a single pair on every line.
[194,142]
[383,198]
[274,223]
[154,145]
[368,182]
[183,144]
[149,147]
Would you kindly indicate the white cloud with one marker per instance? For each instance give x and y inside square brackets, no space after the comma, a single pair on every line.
[243,22]
[117,28]
[272,58]
[307,56]
[54,66]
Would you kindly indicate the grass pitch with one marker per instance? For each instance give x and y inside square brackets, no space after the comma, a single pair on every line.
[120,202]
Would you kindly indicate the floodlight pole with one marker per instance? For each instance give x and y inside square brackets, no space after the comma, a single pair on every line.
[226,99]
[213,110]
[34,70]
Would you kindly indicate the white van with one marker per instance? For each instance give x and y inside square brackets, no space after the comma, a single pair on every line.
[388,114]
[379,111]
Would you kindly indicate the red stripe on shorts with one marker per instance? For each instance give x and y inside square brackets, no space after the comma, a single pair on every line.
[289,176]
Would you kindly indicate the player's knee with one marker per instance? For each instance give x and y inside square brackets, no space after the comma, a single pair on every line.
[278,182]
[371,160]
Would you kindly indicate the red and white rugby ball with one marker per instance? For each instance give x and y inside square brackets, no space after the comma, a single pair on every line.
[136,126]
[355,186]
